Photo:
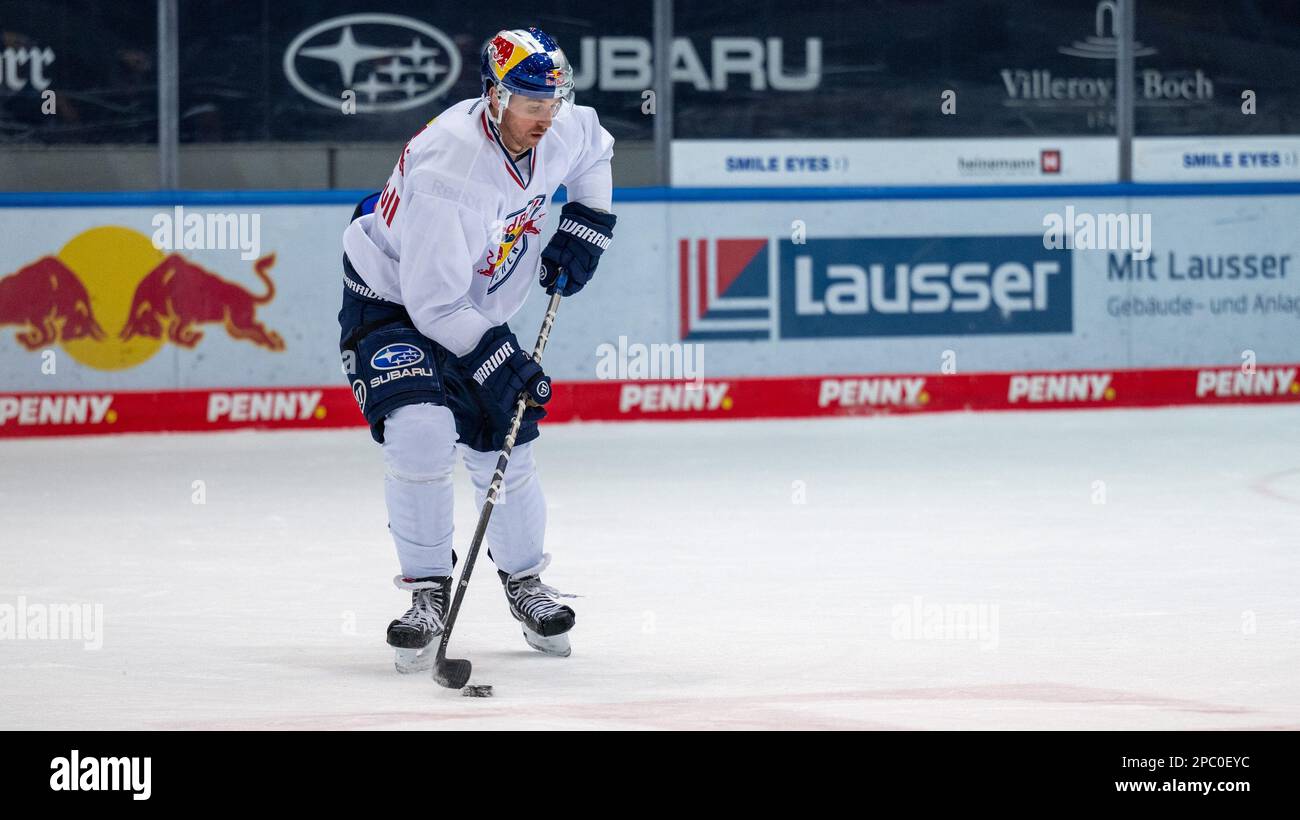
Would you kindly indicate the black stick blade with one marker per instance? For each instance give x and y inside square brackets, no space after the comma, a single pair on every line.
[452,673]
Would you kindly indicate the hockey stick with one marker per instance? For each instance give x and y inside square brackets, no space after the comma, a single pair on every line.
[453,673]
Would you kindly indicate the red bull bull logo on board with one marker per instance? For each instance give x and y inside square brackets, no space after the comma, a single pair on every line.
[112,300]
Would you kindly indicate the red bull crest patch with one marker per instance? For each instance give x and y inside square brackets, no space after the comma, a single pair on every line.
[505,250]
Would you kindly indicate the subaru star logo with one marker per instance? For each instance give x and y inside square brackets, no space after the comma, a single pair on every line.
[396,355]
[391,62]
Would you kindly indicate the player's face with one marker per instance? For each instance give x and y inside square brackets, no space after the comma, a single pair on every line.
[527,120]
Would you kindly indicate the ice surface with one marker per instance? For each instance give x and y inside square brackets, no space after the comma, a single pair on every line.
[712,599]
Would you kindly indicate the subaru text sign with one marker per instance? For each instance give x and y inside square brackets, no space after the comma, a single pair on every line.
[923,286]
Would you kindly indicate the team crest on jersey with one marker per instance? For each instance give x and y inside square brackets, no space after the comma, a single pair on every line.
[512,243]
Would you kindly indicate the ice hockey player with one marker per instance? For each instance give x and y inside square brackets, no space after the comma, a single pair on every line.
[435,265]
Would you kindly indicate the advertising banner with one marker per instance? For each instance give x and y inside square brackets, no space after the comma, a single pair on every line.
[1216,159]
[144,317]
[1018,161]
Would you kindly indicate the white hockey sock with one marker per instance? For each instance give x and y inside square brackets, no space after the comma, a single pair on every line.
[516,532]
[419,454]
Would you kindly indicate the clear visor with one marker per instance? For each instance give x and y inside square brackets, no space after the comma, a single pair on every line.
[534,108]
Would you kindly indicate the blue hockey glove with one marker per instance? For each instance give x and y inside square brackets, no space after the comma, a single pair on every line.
[503,370]
[575,249]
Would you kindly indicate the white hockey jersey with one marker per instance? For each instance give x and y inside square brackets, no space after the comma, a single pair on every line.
[456,234]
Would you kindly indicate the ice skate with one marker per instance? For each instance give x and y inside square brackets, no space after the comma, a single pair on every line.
[414,635]
[545,621]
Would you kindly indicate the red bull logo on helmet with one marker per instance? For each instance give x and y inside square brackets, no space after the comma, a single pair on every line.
[500,50]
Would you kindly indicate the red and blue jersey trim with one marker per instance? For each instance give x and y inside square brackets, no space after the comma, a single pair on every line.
[490,130]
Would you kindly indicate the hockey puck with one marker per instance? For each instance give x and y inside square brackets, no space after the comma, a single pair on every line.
[479,691]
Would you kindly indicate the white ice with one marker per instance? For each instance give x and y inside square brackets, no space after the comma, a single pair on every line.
[1118,569]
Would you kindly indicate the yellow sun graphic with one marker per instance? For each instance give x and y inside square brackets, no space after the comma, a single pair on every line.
[111,262]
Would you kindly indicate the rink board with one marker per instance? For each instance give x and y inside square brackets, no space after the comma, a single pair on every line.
[35,414]
[923,299]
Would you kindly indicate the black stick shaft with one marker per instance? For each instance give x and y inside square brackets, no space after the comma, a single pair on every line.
[494,490]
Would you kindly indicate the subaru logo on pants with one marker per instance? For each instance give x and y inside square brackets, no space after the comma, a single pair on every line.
[396,355]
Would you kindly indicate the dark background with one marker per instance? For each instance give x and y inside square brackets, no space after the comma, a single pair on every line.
[885,64]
